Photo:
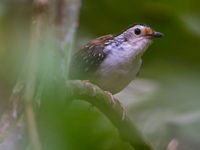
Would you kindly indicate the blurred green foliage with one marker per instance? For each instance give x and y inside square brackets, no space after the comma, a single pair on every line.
[173,62]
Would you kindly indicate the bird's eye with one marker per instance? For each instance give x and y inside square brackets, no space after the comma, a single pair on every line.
[137,31]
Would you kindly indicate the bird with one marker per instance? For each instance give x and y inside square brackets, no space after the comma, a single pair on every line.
[112,61]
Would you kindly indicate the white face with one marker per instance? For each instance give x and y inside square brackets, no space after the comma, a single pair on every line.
[137,38]
[138,33]
[134,41]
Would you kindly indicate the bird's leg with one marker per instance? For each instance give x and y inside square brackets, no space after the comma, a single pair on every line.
[124,112]
[111,96]
[114,101]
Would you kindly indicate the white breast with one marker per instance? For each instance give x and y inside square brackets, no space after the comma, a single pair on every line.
[120,66]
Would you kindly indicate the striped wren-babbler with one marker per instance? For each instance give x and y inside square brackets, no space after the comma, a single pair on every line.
[113,61]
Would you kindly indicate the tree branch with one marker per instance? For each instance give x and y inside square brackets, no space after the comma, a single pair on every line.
[97,97]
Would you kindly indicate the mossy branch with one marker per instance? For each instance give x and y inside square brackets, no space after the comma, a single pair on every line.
[97,97]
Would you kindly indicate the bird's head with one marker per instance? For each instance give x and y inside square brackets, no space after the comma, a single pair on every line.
[140,36]
[139,33]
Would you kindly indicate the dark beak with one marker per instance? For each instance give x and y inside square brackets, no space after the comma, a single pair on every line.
[155,35]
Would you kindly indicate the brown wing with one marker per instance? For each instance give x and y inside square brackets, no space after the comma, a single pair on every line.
[99,40]
[87,60]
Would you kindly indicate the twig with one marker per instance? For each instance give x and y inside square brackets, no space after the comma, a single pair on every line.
[94,95]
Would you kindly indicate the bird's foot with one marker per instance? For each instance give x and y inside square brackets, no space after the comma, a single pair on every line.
[124,112]
[114,102]
[111,96]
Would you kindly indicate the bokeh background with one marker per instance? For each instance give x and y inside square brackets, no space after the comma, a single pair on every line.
[164,101]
